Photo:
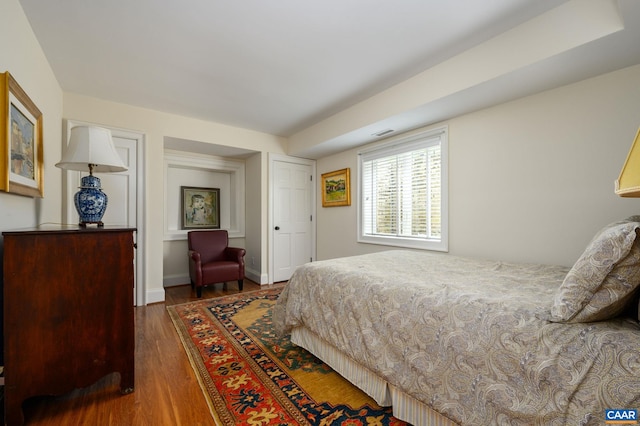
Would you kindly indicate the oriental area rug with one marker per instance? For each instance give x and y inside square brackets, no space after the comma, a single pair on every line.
[250,376]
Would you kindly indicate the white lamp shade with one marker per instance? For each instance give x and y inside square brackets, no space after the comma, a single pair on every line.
[91,145]
[628,184]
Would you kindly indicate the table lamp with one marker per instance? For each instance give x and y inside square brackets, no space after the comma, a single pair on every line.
[91,149]
[628,184]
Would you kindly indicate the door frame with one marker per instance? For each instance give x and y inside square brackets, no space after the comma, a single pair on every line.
[273,158]
[139,238]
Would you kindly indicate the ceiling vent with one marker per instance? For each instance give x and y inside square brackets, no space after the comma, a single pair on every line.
[383,132]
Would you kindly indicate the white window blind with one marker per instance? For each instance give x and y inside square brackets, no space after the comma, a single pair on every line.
[402,193]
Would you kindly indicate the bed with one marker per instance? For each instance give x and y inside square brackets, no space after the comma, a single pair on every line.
[448,340]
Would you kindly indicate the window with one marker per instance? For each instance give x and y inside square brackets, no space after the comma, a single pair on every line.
[403,192]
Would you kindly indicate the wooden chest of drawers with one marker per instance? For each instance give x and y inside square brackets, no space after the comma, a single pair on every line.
[68,311]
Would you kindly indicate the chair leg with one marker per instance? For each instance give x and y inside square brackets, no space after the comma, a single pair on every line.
[240,282]
[199,292]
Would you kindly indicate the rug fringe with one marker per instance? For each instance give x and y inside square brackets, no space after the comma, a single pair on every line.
[262,288]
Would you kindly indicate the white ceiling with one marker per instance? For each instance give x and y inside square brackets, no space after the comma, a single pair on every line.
[282,66]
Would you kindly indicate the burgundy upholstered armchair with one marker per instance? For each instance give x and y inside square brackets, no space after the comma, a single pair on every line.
[211,260]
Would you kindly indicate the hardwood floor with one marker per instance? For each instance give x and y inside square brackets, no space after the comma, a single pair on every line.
[166,389]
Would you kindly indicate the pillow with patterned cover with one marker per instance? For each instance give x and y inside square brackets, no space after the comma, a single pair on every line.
[605,279]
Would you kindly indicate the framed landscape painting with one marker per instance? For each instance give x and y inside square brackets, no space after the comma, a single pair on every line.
[200,207]
[21,153]
[336,188]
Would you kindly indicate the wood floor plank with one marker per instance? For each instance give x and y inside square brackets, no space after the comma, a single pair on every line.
[166,388]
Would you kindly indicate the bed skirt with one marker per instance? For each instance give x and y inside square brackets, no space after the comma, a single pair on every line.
[404,407]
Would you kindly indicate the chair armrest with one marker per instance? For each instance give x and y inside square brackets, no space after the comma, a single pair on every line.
[194,256]
[236,254]
[195,268]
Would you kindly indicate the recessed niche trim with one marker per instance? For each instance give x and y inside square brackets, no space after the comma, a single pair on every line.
[231,174]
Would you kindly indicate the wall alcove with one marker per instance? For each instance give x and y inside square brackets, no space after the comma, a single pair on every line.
[200,170]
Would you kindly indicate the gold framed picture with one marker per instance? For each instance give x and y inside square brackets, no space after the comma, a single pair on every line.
[336,188]
[21,156]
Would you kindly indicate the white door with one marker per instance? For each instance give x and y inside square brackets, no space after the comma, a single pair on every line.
[122,190]
[121,187]
[292,216]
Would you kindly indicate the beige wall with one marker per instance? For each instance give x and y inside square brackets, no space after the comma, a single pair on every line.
[155,126]
[20,54]
[529,180]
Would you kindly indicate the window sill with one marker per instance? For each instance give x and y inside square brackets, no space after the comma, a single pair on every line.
[434,245]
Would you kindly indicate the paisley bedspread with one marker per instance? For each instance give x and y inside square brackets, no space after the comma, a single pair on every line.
[464,336]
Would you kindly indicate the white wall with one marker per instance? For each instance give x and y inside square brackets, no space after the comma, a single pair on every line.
[529,180]
[156,126]
[21,55]
[525,51]
[256,225]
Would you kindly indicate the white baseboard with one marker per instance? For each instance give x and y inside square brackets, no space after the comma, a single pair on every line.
[174,280]
[256,276]
[180,279]
[155,296]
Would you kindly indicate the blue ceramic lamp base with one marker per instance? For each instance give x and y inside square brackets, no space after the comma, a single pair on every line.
[90,201]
